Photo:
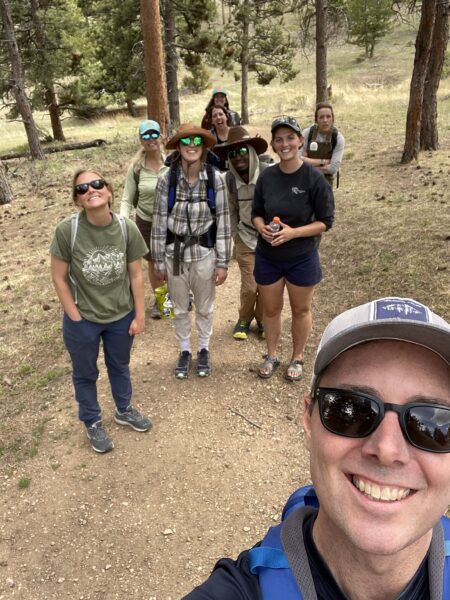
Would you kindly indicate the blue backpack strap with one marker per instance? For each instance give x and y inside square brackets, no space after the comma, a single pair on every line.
[445,522]
[211,187]
[268,560]
[173,179]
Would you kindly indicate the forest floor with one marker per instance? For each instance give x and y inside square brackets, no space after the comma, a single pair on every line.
[149,520]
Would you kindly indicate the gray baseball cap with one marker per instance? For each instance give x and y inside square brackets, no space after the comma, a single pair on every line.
[400,319]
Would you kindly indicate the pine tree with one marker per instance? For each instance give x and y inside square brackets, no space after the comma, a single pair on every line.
[368,22]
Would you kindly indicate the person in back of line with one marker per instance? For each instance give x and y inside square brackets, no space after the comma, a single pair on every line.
[303,201]
[97,274]
[190,240]
[324,144]
[219,98]
[242,151]
[140,188]
[377,428]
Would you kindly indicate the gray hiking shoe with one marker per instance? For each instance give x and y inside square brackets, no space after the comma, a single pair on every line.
[133,418]
[99,438]
[155,312]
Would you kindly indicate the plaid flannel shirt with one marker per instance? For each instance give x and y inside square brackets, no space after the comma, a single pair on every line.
[190,216]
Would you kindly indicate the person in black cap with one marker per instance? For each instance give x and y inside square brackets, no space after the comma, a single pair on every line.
[377,427]
[302,201]
[219,97]
[242,152]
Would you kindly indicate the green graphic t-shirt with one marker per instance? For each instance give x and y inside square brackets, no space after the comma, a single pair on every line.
[99,266]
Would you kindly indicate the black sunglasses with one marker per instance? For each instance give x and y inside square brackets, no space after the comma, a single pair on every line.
[96,184]
[356,415]
[242,151]
[150,135]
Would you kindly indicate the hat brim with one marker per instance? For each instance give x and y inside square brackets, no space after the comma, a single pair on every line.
[258,143]
[297,130]
[209,139]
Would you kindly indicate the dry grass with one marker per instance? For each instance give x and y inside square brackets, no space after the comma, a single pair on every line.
[392,231]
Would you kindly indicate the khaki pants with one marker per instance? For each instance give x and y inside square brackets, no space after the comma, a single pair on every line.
[251,305]
[197,276]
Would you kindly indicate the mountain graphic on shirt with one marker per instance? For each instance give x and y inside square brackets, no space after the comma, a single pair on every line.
[103,265]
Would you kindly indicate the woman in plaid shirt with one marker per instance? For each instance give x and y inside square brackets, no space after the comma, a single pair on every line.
[191,240]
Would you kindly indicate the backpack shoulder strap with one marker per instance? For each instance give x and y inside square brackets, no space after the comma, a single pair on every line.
[123,227]
[74,219]
[445,522]
[334,136]
[231,183]
[173,178]
[269,561]
[211,187]
[312,132]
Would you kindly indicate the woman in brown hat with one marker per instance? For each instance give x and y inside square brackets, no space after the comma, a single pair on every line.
[190,241]
[243,154]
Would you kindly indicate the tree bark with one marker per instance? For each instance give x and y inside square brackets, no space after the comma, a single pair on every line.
[22,102]
[321,51]
[154,63]
[421,59]
[244,63]
[55,114]
[171,63]
[50,94]
[77,146]
[429,136]
[6,194]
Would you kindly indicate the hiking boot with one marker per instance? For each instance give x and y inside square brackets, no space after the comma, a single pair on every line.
[203,363]
[154,311]
[184,362]
[99,438]
[241,329]
[133,418]
[260,329]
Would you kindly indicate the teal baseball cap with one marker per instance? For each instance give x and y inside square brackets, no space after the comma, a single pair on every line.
[149,126]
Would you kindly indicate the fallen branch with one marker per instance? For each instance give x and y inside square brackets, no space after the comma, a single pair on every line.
[53,149]
[236,412]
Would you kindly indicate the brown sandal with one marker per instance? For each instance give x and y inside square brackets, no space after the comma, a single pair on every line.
[295,370]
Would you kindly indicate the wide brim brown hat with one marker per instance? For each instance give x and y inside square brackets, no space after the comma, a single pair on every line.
[239,136]
[187,130]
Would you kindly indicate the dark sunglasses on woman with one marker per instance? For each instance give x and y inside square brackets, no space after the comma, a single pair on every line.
[95,184]
[425,425]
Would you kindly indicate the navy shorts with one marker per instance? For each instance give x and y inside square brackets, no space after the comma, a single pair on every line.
[304,270]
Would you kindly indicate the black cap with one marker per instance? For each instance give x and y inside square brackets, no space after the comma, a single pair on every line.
[286,121]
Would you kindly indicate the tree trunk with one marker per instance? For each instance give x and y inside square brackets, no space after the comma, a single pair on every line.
[423,48]
[321,51]
[429,137]
[131,107]
[22,102]
[170,34]
[50,95]
[55,115]
[6,194]
[244,63]
[154,62]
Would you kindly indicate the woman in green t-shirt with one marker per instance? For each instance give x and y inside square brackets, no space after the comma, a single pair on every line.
[97,274]
[140,189]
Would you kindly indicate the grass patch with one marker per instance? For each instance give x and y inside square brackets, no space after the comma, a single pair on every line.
[24,483]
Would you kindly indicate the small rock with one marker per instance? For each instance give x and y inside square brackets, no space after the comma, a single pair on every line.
[167,532]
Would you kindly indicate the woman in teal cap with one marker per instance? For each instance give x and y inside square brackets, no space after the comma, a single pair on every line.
[219,98]
[140,187]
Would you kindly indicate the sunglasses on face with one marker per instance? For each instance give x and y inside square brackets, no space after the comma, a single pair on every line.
[197,140]
[356,415]
[242,151]
[150,135]
[96,184]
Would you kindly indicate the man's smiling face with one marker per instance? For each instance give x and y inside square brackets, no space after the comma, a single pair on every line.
[379,494]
